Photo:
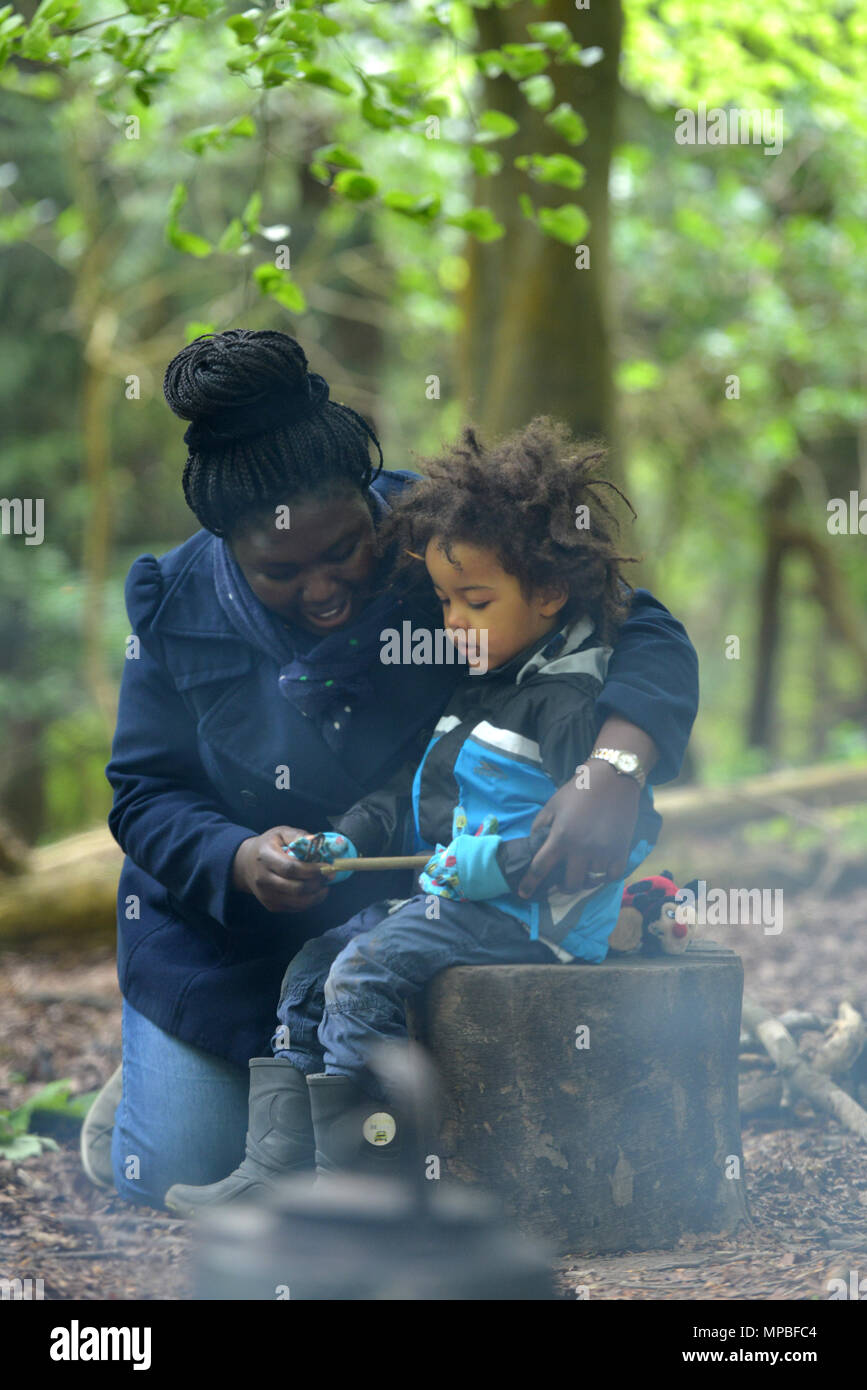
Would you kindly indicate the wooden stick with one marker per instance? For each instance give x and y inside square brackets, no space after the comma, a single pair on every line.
[819,1090]
[396,861]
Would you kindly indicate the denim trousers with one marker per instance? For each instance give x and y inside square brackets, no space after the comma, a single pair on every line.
[345,991]
[182,1117]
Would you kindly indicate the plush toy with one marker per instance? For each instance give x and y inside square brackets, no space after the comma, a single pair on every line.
[651,921]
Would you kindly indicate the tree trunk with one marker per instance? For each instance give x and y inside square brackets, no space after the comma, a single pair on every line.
[775,505]
[536,338]
[598,1103]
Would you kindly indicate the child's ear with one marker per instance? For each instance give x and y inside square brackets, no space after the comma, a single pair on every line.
[552,599]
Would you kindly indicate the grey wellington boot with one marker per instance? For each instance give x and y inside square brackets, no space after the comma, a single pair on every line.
[97,1129]
[279,1139]
[353,1133]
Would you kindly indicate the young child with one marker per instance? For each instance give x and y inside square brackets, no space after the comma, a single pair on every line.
[519,545]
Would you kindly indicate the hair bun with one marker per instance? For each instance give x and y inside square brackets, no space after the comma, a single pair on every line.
[240,383]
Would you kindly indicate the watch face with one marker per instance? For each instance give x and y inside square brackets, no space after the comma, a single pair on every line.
[627,762]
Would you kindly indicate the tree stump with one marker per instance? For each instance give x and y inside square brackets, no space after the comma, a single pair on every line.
[599,1102]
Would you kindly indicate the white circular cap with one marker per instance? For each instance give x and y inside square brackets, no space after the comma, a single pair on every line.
[379,1128]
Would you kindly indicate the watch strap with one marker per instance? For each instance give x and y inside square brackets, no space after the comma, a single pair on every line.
[612,755]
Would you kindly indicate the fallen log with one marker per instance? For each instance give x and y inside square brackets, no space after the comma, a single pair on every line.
[709,808]
[69,890]
[797,1021]
[759,1093]
[802,1078]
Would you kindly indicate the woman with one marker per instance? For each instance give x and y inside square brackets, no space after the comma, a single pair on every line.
[253,708]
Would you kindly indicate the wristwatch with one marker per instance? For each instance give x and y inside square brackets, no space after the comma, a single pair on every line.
[622,761]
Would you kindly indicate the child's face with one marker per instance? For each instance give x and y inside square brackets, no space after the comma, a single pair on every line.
[476,592]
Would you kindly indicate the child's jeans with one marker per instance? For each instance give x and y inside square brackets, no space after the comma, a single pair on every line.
[345,990]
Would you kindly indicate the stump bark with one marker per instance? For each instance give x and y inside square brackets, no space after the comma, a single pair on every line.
[623,1137]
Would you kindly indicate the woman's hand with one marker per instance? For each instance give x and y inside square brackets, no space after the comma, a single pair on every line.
[590,830]
[280,882]
[590,827]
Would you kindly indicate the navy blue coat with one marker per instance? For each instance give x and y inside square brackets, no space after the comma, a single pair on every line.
[201,729]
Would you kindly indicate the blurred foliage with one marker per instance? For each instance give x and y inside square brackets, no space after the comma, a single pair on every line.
[17,1137]
[312,167]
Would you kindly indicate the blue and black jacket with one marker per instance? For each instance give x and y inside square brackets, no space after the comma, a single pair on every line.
[505,743]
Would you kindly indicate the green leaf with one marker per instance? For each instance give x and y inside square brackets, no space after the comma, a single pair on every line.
[198,140]
[57,11]
[375,115]
[524,59]
[36,43]
[177,200]
[554,34]
[25,1146]
[525,203]
[485,162]
[568,123]
[244,126]
[421,209]
[277,285]
[322,77]
[55,1099]
[244,29]
[538,91]
[480,223]
[435,106]
[567,223]
[232,237]
[581,57]
[252,212]
[188,242]
[328,26]
[496,125]
[196,329]
[638,375]
[339,155]
[561,169]
[356,187]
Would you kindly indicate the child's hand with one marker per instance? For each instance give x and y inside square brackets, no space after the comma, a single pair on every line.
[440,874]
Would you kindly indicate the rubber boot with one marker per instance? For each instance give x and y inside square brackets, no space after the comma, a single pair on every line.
[279,1139]
[97,1130]
[353,1132]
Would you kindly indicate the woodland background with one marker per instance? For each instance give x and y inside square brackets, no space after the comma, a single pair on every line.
[405,186]
[431,169]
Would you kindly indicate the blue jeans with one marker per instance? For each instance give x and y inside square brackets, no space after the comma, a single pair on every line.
[183,1116]
[345,990]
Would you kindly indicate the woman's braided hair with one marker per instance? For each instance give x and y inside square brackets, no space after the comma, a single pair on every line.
[262,427]
[520,499]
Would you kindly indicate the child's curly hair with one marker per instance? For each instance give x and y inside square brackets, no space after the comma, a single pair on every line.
[520,499]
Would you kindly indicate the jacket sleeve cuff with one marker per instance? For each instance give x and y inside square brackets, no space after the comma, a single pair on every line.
[223,848]
[479,873]
[666,721]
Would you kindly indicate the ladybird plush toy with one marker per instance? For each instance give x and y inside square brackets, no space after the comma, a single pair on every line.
[651,920]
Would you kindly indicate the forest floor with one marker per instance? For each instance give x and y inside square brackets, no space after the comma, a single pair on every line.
[806,1178]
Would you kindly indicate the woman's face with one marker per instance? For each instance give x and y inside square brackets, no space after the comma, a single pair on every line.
[315,574]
